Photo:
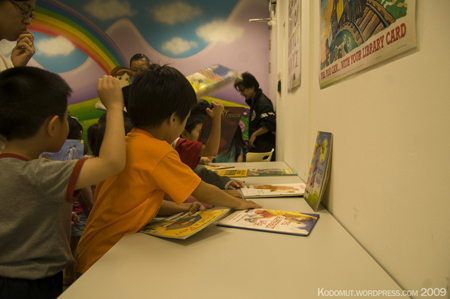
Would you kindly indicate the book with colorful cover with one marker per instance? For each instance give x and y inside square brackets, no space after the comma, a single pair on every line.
[232,173]
[231,117]
[218,166]
[211,78]
[183,225]
[273,190]
[72,149]
[271,172]
[319,170]
[283,222]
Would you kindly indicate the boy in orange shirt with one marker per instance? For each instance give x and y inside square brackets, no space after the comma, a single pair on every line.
[160,101]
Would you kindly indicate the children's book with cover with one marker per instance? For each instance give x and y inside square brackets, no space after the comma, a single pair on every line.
[273,190]
[182,225]
[274,221]
[271,172]
[72,149]
[230,122]
[211,78]
[232,173]
[319,170]
[217,166]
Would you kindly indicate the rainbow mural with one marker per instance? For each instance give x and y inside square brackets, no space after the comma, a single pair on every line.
[56,19]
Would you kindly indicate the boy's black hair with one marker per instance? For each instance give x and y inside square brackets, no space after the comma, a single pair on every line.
[28,96]
[157,93]
[201,106]
[193,120]
[75,128]
[248,80]
[96,132]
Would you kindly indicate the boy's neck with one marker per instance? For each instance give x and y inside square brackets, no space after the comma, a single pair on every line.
[158,133]
[26,148]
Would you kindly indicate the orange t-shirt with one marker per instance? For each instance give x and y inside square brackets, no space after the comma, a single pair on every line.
[129,200]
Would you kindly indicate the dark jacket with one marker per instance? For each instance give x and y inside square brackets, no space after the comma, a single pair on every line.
[262,115]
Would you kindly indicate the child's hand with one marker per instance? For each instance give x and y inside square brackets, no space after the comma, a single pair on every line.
[234,193]
[196,206]
[206,160]
[75,218]
[248,204]
[236,184]
[216,111]
[110,92]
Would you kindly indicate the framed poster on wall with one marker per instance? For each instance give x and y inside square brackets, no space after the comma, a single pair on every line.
[294,56]
[358,34]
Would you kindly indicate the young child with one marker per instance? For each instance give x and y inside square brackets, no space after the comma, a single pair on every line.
[237,149]
[190,149]
[191,132]
[160,102]
[36,203]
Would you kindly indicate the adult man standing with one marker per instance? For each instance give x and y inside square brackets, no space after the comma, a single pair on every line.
[262,123]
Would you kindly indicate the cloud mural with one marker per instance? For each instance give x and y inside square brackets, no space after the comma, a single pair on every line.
[219,31]
[109,9]
[58,46]
[177,45]
[173,13]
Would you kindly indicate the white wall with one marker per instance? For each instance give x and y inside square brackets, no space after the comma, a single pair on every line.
[391,155]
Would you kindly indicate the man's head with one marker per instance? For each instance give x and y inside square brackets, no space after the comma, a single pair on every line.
[139,63]
[29,98]
[15,16]
[158,93]
[247,85]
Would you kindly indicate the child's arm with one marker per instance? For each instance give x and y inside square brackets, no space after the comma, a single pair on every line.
[211,147]
[211,194]
[111,159]
[169,208]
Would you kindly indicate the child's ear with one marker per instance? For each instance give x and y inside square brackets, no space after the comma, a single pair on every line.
[173,120]
[53,125]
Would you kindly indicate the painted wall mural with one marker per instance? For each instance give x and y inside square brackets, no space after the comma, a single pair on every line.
[84,39]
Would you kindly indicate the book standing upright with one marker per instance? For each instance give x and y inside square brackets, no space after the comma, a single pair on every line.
[319,170]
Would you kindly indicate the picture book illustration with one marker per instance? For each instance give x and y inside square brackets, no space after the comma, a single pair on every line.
[182,225]
[211,78]
[319,170]
[231,117]
[293,223]
[72,149]
[273,190]
[271,172]
[359,34]
[232,173]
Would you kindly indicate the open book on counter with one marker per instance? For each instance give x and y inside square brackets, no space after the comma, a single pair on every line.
[274,221]
[182,225]
[253,172]
[232,173]
[271,172]
[273,190]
